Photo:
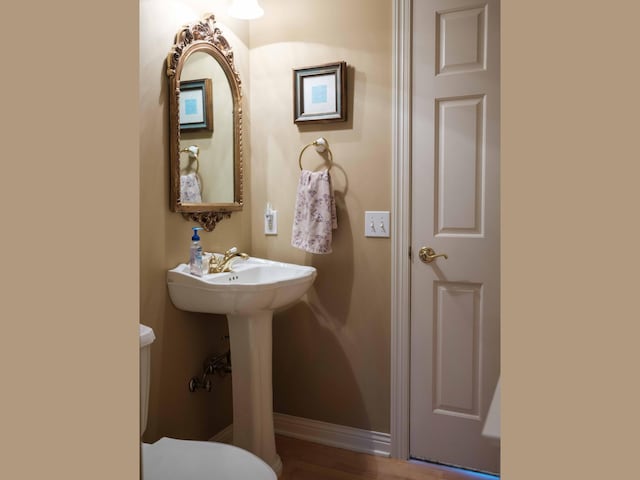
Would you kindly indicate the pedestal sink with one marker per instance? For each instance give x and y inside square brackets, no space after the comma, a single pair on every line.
[248,296]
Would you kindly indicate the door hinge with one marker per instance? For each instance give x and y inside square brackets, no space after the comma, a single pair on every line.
[409,252]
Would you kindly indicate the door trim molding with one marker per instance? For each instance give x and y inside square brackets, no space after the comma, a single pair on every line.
[401,240]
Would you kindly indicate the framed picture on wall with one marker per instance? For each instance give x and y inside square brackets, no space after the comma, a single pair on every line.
[320,93]
[196,105]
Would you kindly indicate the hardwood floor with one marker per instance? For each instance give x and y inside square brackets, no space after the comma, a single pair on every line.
[304,460]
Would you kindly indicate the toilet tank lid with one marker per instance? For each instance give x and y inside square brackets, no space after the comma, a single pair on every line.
[146,336]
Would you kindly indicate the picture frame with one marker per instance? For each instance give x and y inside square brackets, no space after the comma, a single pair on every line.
[320,93]
[196,105]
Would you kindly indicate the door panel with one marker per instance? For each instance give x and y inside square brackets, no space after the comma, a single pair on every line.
[456,349]
[459,168]
[455,312]
[461,36]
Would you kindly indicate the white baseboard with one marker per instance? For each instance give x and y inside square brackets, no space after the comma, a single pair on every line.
[224,436]
[349,438]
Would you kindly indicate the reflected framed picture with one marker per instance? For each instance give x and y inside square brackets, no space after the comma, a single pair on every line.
[320,93]
[196,105]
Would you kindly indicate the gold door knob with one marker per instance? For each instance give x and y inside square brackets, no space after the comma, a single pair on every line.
[428,255]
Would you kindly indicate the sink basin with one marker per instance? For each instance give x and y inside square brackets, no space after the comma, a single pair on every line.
[248,296]
[255,285]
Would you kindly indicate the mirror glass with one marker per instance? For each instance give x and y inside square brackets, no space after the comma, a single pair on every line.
[207,168]
[205,125]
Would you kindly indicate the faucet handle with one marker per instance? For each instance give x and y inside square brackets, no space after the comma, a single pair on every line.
[214,262]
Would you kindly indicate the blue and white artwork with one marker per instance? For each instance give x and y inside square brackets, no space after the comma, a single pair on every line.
[191,106]
[319,94]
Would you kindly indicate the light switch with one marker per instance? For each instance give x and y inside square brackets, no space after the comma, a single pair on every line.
[376,224]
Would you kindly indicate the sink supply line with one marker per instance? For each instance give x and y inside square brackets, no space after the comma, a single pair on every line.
[220,364]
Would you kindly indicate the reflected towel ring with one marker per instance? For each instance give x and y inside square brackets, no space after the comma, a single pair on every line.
[321,145]
[194,152]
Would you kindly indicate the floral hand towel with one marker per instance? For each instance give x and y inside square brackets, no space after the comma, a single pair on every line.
[190,189]
[315,213]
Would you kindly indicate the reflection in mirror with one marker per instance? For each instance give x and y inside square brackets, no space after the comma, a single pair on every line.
[205,125]
[215,142]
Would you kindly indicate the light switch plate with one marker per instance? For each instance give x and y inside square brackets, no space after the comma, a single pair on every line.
[376,224]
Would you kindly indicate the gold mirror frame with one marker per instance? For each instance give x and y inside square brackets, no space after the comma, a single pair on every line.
[203,36]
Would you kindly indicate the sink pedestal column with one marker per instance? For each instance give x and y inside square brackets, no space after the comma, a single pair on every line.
[251,346]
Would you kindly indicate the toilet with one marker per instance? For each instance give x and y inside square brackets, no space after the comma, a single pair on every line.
[170,459]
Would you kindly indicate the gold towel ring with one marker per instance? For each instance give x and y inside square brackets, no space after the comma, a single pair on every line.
[321,145]
[194,152]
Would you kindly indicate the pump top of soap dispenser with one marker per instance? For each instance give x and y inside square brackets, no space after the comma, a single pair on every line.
[196,237]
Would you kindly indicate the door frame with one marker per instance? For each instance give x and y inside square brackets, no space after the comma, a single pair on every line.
[401,224]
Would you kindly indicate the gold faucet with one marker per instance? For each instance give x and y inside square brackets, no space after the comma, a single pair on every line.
[226,262]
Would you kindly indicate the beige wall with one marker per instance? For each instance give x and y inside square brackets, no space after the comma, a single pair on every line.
[331,351]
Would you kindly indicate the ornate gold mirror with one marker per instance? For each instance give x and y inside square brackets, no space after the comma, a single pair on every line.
[205,125]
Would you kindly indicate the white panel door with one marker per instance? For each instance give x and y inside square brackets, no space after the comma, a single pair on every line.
[455,301]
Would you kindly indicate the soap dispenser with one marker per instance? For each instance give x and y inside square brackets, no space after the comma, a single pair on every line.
[195,253]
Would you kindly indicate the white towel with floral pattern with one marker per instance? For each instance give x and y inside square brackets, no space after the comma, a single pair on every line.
[190,189]
[315,213]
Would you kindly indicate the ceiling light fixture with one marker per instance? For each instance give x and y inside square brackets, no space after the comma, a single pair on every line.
[245,9]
